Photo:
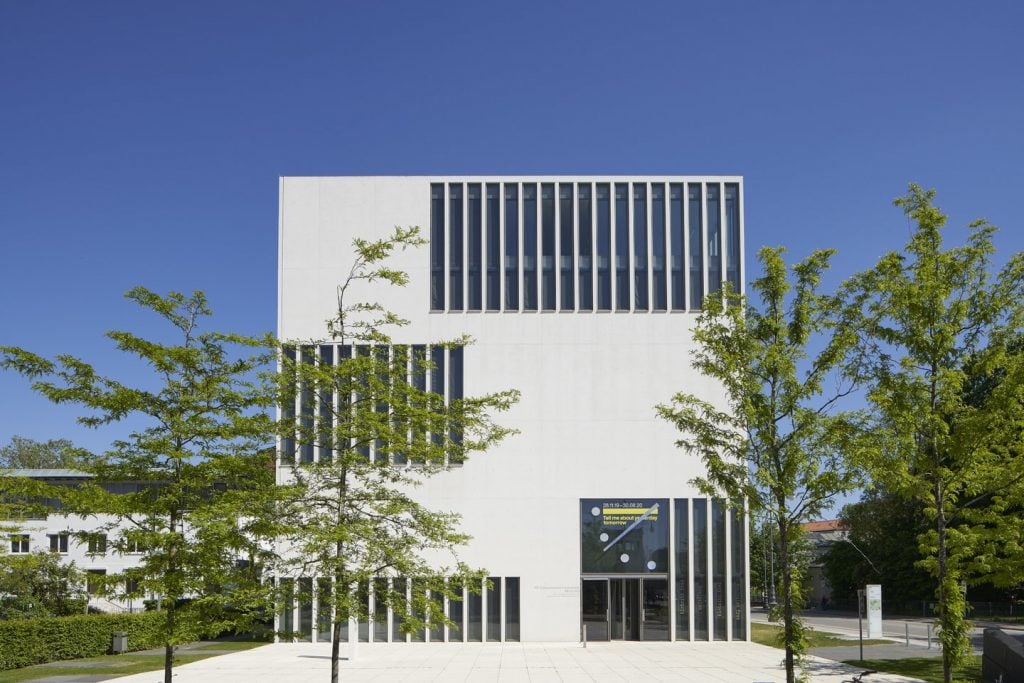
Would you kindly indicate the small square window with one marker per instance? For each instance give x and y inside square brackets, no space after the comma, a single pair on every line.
[58,543]
[19,543]
[98,544]
[94,580]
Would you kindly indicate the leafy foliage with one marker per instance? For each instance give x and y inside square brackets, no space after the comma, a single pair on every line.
[24,642]
[197,468]
[932,318]
[39,585]
[31,454]
[379,433]
[778,443]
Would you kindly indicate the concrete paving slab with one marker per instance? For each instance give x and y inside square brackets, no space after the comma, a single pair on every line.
[509,663]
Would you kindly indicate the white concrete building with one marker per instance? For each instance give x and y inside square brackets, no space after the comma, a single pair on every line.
[581,293]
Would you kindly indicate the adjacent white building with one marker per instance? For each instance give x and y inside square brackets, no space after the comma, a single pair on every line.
[581,293]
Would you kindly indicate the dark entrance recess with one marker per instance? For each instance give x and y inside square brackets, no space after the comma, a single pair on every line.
[625,608]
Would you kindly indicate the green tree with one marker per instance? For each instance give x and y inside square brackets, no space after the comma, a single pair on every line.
[879,550]
[932,318]
[194,473]
[378,433]
[22,453]
[779,443]
[40,585]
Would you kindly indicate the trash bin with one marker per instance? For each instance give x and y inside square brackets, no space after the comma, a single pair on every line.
[120,642]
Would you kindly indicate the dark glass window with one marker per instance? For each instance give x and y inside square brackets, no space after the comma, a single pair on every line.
[419,382]
[659,295]
[640,301]
[400,365]
[288,404]
[700,569]
[494,610]
[398,610]
[682,570]
[380,610]
[323,610]
[512,609]
[586,248]
[345,397]
[363,597]
[437,382]
[511,248]
[455,380]
[94,583]
[696,248]
[286,615]
[382,361]
[97,544]
[455,256]
[493,247]
[529,247]
[566,246]
[20,543]
[622,247]
[474,249]
[547,203]
[437,247]
[604,247]
[325,400]
[455,612]
[474,616]
[362,352]
[739,574]
[435,617]
[58,543]
[418,595]
[306,410]
[305,596]
[677,245]
[718,569]
[714,240]
[732,232]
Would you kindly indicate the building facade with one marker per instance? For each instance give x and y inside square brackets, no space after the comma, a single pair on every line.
[580,292]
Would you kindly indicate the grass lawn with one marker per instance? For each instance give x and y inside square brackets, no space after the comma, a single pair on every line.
[768,634]
[121,665]
[926,668]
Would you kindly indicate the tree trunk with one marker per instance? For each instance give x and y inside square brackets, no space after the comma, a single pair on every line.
[335,648]
[787,602]
[940,524]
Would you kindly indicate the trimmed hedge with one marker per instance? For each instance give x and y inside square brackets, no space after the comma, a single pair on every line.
[24,642]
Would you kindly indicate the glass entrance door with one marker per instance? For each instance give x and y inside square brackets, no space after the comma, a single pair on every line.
[594,608]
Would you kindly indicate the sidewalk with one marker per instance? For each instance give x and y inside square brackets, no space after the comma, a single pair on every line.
[540,662]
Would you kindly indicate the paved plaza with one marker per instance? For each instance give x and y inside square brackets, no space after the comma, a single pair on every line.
[620,661]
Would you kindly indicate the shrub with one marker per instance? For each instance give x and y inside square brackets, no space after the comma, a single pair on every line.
[24,642]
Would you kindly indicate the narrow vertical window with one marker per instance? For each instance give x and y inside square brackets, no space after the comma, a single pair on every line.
[418,594]
[436,616]
[455,377]
[474,615]
[720,611]
[732,235]
[286,616]
[682,569]
[455,255]
[547,246]
[604,247]
[696,248]
[363,371]
[305,596]
[455,611]
[566,247]
[306,408]
[382,361]
[511,247]
[400,373]
[324,621]
[714,240]
[529,247]
[676,245]
[586,248]
[437,247]
[474,248]
[288,403]
[437,387]
[739,574]
[398,609]
[493,247]
[325,401]
[659,296]
[363,602]
[640,300]
[494,609]
[512,609]
[622,247]
[419,383]
[700,569]
[345,392]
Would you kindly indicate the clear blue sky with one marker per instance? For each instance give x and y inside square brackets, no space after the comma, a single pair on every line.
[141,142]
